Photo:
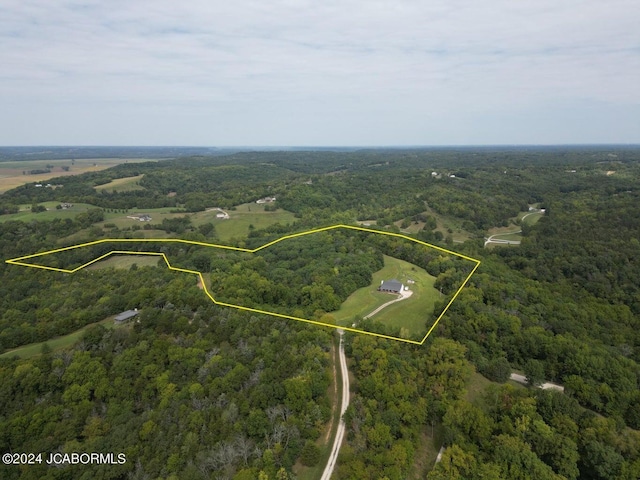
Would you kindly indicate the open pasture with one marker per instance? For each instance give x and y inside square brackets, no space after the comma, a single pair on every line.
[15,174]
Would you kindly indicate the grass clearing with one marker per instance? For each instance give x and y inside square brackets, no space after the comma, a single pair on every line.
[237,226]
[509,236]
[409,314]
[56,344]
[530,218]
[429,443]
[126,184]
[241,218]
[476,387]
[445,223]
[11,173]
[122,220]
[125,262]
[26,215]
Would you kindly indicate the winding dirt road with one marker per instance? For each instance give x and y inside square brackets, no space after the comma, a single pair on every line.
[333,458]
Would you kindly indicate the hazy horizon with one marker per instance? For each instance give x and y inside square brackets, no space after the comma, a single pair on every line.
[350,73]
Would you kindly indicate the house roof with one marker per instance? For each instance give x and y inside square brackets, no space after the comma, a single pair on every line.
[126,315]
[393,285]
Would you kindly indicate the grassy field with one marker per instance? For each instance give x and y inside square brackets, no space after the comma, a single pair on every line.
[530,218]
[25,214]
[126,184]
[124,262]
[122,221]
[237,226]
[409,314]
[11,175]
[476,387]
[56,344]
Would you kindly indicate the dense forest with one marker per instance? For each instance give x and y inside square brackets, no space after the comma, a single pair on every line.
[192,390]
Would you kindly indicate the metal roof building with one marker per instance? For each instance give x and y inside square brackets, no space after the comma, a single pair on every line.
[126,315]
[393,286]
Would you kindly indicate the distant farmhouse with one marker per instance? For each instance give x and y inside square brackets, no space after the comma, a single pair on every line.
[266,200]
[391,286]
[124,316]
[143,217]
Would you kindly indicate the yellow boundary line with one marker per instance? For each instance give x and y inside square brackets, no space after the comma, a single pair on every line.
[19,261]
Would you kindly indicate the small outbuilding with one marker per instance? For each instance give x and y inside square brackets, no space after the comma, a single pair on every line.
[124,316]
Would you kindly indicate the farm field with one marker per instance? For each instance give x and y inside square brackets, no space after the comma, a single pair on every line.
[126,184]
[11,175]
[409,314]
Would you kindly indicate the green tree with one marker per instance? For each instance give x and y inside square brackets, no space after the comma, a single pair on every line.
[534,371]
[310,454]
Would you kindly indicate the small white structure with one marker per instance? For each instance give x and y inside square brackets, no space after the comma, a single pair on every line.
[266,200]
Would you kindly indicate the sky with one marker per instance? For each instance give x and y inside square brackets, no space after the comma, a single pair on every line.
[319,73]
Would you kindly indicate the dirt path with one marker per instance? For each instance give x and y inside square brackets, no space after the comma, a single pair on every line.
[331,463]
[501,241]
[516,377]
[511,242]
[335,395]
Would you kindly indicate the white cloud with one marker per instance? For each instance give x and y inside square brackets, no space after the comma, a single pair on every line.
[383,64]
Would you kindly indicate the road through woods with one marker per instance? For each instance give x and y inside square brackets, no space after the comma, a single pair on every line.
[331,463]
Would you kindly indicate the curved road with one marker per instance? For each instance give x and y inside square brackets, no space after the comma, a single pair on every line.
[501,241]
[331,463]
[404,294]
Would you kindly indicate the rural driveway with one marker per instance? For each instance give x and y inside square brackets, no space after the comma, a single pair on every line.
[404,294]
[331,463]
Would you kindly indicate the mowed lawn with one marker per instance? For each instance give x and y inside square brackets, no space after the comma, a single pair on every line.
[409,314]
[237,225]
[126,184]
[56,344]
